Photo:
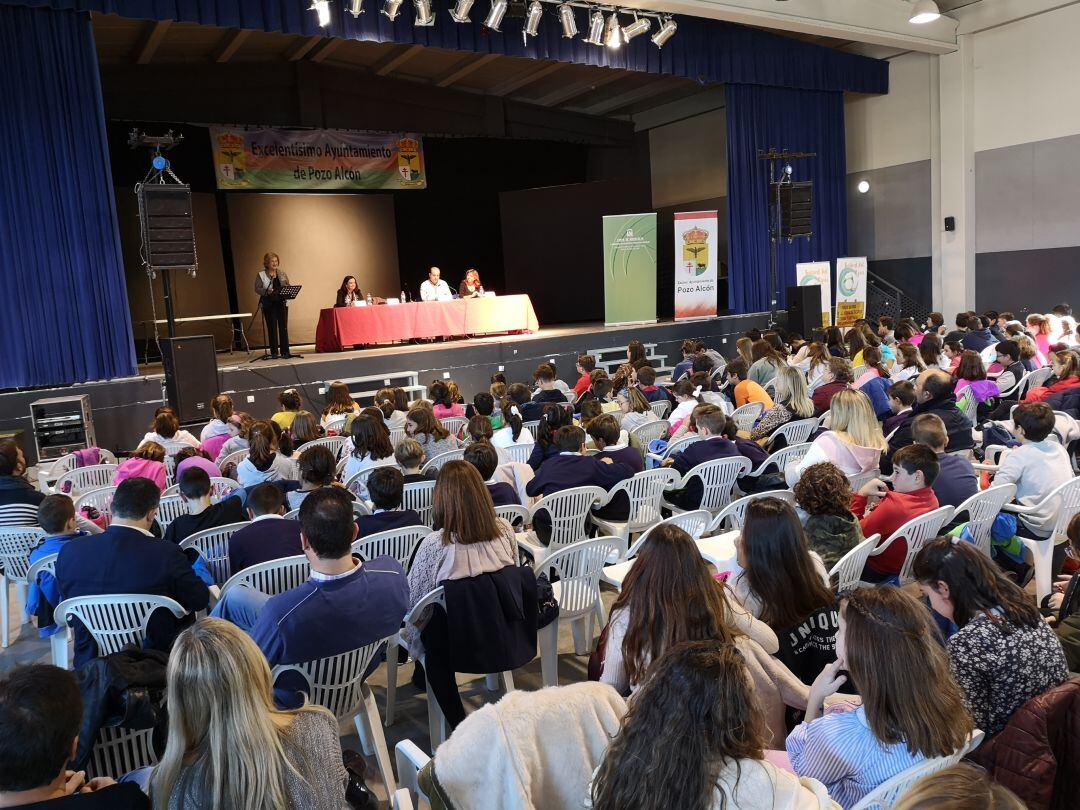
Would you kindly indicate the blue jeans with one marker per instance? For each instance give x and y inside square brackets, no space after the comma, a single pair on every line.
[241,606]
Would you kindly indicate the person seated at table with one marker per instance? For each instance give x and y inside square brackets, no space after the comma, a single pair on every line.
[471,286]
[711,422]
[386,487]
[435,289]
[606,434]
[486,460]
[202,513]
[268,536]
[349,293]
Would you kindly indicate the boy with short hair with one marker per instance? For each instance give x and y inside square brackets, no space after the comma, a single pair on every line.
[711,423]
[386,487]
[268,536]
[646,377]
[410,457]
[56,515]
[482,455]
[901,401]
[585,365]
[746,390]
[605,432]
[956,479]
[547,389]
[201,514]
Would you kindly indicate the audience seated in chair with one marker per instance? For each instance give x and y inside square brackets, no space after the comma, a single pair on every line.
[511,430]
[911,707]
[791,402]
[41,711]
[956,479]
[687,398]
[147,461]
[585,366]
[269,536]
[127,558]
[716,431]
[318,469]
[606,435]
[166,431]
[18,498]
[192,457]
[345,604]
[385,488]
[546,391]
[195,490]
[410,457]
[56,516]
[823,492]
[422,426]
[371,447]
[264,462]
[874,382]
[853,442]
[486,460]
[634,408]
[901,399]
[841,375]
[646,377]
[552,417]
[746,390]
[933,394]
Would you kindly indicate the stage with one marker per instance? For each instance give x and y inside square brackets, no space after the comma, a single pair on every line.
[123,408]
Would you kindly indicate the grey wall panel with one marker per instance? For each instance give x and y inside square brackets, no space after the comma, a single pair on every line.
[1031,279]
[1056,215]
[892,220]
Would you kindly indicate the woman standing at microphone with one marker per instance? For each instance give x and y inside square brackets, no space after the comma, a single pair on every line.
[275,309]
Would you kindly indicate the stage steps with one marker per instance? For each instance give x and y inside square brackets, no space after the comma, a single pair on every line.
[610,365]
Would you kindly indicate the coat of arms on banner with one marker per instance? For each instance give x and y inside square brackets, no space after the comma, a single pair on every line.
[230,157]
[409,161]
[695,252]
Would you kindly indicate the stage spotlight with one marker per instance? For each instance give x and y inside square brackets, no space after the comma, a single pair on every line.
[665,32]
[567,21]
[460,12]
[612,32]
[924,11]
[639,26]
[391,8]
[495,15]
[424,15]
[532,19]
[322,10]
[864,186]
[596,28]
[356,7]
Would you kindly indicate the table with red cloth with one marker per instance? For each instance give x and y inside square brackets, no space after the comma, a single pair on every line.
[349,326]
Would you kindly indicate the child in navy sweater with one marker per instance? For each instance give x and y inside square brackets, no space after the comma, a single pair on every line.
[717,442]
[485,458]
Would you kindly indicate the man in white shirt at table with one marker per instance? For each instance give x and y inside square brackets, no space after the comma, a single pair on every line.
[435,289]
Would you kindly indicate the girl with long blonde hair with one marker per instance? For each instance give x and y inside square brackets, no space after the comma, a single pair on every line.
[792,401]
[228,747]
[854,441]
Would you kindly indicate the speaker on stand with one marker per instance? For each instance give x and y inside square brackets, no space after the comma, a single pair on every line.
[191,375]
[804,310]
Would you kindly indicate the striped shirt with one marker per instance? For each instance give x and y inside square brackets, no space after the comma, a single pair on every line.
[18,514]
[840,750]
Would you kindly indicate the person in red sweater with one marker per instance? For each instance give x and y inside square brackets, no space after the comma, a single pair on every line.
[915,468]
[585,365]
[841,376]
[1066,375]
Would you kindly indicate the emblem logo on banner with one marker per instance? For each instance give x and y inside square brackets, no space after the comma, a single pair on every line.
[630,268]
[695,254]
[850,290]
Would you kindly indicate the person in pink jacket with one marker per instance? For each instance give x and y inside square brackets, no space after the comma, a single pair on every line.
[146,462]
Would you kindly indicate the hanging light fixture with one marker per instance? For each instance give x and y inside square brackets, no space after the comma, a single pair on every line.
[665,32]
[596,28]
[532,18]
[495,15]
[612,33]
[460,12]
[639,26]
[391,8]
[356,7]
[322,11]
[924,11]
[567,21]
[424,15]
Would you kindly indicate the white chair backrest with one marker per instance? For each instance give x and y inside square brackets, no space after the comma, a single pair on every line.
[115,620]
[1033,380]
[397,543]
[746,415]
[397,436]
[968,404]
[335,425]
[886,795]
[796,432]
[335,683]
[292,514]
[917,532]
[359,509]
[578,568]
[693,523]
[437,462]
[221,488]
[16,543]
[860,479]
[435,596]
[770,386]
[650,431]
[733,515]
[418,496]
[454,424]
[823,420]
[335,444]
[784,457]
[1068,495]
[661,408]
[681,444]
[857,371]
[213,547]
[645,491]
[532,426]
[848,569]
[982,508]
[100,499]
[170,507]
[512,513]
[519,452]
[46,563]
[170,466]
[567,510]
[357,483]
[83,479]
[272,577]
[718,478]
[230,461]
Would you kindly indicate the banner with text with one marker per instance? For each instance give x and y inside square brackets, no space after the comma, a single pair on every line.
[850,290]
[820,274]
[629,269]
[695,264]
[316,159]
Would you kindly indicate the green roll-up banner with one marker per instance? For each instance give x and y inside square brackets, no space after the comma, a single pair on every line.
[629,269]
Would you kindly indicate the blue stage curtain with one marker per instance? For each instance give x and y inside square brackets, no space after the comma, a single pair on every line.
[66,314]
[758,119]
[703,50]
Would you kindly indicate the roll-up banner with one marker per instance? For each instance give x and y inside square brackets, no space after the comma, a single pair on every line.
[820,274]
[629,269]
[850,290]
[695,264]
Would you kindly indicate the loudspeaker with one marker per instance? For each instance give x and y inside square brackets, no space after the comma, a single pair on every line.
[804,309]
[167,230]
[191,378]
[950,223]
[796,208]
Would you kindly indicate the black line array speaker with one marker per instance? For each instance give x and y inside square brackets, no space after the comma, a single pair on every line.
[168,232]
[796,208]
[191,377]
[804,310]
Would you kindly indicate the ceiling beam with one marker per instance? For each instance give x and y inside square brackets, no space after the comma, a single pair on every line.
[301,48]
[705,100]
[469,64]
[151,39]
[230,44]
[393,61]
[655,87]
[571,91]
[327,49]
[510,85]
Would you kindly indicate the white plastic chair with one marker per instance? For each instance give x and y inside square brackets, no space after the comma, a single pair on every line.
[886,795]
[661,408]
[747,415]
[782,459]
[860,479]
[1033,380]
[397,436]
[114,621]
[982,508]
[733,515]
[532,426]
[796,432]
[519,452]
[213,547]
[645,491]
[357,483]
[674,447]
[170,507]
[337,683]
[650,431]
[419,496]
[454,424]
[916,532]
[397,543]
[578,568]
[409,759]
[1067,497]
[848,569]
[718,479]
[170,466]
[16,543]
[719,550]
[568,510]
[231,461]
[437,462]
[823,420]
[693,523]
[272,577]
[220,488]
[335,444]
[84,479]
[335,425]
[968,405]
[46,563]
[100,499]
[512,513]
[292,514]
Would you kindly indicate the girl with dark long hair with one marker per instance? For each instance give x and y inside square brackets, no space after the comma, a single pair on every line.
[552,417]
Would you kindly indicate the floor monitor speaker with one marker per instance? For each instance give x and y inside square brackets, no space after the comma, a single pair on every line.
[804,309]
[191,375]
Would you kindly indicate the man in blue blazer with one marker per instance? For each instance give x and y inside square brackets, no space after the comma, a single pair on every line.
[127,558]
[385,486]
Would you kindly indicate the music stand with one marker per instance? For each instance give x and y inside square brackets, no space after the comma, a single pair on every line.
[288,293]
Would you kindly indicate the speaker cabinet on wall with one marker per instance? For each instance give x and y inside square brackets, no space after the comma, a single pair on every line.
[804,309]
[167,229]
[191,376]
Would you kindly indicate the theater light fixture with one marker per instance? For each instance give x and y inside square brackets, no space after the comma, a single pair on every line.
[665,32]
[424,15]
[356,7]
[322,11]
[596,28]
[612,32]
[391,8]
[864,186]
[532,18]
[495,15]
[639,26]
[567,21]
[460,11]
[924,11]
